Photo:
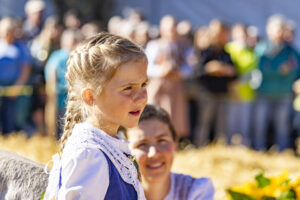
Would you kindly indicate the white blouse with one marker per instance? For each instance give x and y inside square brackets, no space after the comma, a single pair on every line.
[83,172]
[184,187]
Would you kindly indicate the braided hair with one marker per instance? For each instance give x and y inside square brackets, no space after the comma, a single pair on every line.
[92,64]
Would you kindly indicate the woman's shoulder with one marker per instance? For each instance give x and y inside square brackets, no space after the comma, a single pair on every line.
[198,182]
[193,188]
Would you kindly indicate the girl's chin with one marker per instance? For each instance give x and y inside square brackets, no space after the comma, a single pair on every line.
[131,125]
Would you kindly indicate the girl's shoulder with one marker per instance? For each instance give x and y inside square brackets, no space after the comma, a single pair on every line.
[82,148]
[82,153]
[74,166]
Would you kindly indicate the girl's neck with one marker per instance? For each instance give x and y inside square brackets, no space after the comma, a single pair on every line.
[106,127]
[158,190]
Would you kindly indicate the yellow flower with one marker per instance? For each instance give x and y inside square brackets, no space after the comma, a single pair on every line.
[273,186]
[247,188]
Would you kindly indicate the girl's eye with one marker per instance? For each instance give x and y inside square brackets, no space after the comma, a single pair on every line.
[144,84]
[127,88]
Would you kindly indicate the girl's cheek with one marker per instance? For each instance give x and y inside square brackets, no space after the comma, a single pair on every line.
[123,101]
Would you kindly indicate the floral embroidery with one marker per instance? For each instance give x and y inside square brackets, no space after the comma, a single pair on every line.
[133,160]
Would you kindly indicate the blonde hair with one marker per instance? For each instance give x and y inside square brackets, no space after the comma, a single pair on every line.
[92,64]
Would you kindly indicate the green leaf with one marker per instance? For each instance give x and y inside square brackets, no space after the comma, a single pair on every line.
[286,182]
[287,198]
[42,196]
[239,196]
[262,180]
[268,198]
[288,195]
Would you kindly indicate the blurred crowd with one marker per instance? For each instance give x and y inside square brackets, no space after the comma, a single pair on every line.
[218,82]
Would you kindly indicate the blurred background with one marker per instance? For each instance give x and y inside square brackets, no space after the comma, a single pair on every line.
[226,71]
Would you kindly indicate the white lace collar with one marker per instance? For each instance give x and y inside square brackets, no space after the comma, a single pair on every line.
[95,135]
[86,135]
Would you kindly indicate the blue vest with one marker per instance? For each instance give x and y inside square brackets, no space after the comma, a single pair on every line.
[118,189]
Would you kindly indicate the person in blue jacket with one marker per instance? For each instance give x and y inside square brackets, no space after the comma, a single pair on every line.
[279,67]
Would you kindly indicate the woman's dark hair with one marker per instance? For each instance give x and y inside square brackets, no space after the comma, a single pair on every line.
[156,112]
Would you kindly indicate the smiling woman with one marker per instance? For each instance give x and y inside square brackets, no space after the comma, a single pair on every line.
[153,143]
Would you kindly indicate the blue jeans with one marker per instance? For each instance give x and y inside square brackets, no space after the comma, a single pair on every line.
[213,111]
[7,115]
[296,122]
[277,111]
[239,121]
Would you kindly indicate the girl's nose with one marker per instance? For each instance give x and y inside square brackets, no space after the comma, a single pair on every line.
[141,96]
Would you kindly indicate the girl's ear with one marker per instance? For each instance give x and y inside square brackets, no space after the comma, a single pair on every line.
[87,96]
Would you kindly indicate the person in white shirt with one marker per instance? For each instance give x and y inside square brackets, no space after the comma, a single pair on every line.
[153,143]
[106,77]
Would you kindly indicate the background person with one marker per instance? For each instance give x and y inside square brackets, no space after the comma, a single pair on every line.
[279,66]
[56,83]
[243,94]
[215,75]
[15,71]
[165,83]
[153,143]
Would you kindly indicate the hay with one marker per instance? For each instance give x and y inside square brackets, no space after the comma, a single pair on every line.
[227,166]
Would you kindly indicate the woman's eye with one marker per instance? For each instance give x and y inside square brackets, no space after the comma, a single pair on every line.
[162,141]
[141,146]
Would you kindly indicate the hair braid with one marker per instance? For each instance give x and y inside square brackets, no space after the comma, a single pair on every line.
[73,116]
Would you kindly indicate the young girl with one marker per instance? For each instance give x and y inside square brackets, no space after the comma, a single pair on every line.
[106,89]
[153,143]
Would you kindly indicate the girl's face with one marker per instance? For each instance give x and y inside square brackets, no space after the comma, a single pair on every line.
[123,98]
[153,147]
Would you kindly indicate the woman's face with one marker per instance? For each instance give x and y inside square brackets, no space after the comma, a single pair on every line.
[124,97]
[153,147]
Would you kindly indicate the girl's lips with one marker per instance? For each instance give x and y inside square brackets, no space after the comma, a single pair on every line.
[135,113]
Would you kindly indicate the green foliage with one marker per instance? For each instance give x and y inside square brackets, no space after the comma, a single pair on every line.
[239,196]
[42,196]
[288,195]
[262,181]
[286,182]
[268,198]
